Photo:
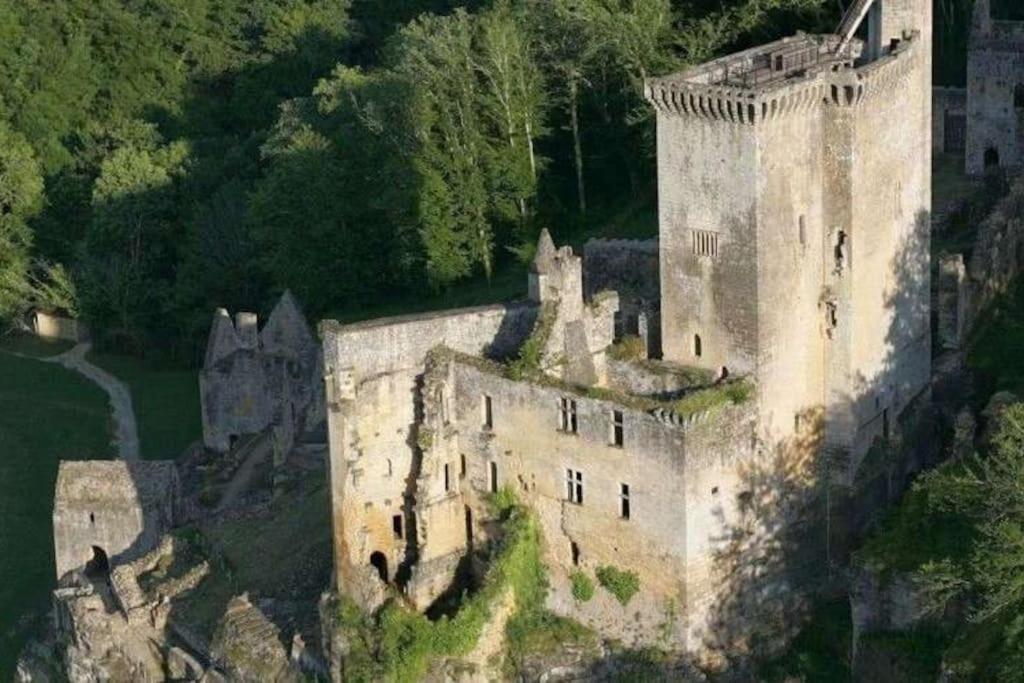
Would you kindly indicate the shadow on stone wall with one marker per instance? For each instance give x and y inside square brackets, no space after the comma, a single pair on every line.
[803,507]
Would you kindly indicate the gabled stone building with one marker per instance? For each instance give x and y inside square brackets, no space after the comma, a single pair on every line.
[995,92]
[254,379]
[794,190]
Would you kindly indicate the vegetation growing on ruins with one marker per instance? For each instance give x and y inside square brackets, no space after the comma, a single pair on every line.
[582,586]
[529,362]
[628,348]
[622,584]
[398,644]
[47,414]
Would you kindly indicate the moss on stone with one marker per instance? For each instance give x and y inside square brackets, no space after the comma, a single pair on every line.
[582,586]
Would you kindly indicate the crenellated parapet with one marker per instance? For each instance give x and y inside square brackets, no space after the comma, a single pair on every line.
[790,77]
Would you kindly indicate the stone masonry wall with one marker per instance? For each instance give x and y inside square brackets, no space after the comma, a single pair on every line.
[684,492]
[373,374]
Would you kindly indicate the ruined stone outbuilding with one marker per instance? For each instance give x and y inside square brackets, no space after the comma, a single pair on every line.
[793,304]
[111,511]
[253,380]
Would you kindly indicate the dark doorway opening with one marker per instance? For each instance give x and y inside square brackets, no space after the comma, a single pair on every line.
[99,566]
[380,563]
[991,158]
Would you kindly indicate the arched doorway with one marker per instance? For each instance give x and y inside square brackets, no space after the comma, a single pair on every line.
[991,158]
[380,563]
[99,566]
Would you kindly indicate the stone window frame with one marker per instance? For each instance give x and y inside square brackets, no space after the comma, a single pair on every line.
[573,486]
[487,412]
[568,415]
[616,428]
[624,502]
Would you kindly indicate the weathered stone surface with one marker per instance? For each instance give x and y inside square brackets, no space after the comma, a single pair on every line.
[249,645]
[181,666]
[252,380]
[111,511]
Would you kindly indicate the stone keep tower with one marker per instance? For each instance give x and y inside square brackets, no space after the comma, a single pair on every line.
[794,185]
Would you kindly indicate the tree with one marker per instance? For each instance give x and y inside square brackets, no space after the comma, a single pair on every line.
[568,44]
[514,99]
[131,248]
[21,197]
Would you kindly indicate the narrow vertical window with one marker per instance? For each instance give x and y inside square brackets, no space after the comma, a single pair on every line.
[447,478]
[574,486]
[574,549]
[488,414]
[567,415]
[396,526]
[698,346]
[803,231]
[462,466]
[616,429]
[624,501]
[494,477]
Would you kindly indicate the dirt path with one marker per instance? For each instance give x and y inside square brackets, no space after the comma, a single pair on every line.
[126,436]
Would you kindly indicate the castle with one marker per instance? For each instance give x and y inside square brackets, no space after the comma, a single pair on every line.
[794,315]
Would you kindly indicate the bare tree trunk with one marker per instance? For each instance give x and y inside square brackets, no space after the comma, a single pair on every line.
[577,144]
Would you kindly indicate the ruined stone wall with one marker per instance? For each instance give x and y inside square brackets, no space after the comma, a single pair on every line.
[997,257]
[122,509]
[684,492]
[995,122]
[629,268]
[949,120]
[374,381]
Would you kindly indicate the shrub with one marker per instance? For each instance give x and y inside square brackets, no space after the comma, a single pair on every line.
[622,584]
[582,586]
[531,353]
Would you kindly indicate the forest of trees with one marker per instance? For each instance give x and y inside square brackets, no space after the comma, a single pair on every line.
[158,159]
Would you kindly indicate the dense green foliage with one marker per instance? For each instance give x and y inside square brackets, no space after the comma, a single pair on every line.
[47,414]
[161,159]
[622,584]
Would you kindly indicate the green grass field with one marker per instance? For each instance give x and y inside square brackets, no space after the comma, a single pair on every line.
[46,414]
[166,403]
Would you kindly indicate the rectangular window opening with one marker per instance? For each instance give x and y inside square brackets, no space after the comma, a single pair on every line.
[567,421]
[705,242]
[624,501]
[617,431]
[462,466]
[574,486]
[494,477]
[488,414]
[447,478]
[396,526]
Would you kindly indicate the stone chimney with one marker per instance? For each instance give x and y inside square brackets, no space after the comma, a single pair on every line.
[246,327]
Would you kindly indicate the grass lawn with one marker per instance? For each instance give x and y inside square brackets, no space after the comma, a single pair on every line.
[166,403]
[31,345]
[285,556]
[47,414]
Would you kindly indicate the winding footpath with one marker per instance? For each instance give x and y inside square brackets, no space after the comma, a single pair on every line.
[126,434]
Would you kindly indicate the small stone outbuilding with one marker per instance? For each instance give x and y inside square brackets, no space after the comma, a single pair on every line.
[111,511]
